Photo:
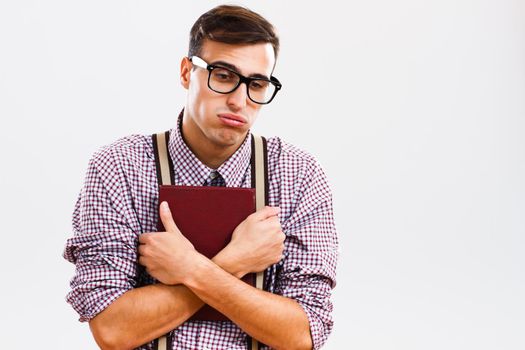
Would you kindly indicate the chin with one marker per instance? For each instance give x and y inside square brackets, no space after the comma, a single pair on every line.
[230,137]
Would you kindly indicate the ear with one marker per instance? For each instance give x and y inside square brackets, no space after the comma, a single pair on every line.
[185,71]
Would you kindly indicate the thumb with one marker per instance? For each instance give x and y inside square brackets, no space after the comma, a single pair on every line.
[166,218]
[265,213]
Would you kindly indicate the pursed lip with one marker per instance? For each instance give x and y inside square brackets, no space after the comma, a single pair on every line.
[236,117]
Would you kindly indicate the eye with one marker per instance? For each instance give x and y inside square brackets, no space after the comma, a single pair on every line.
[223,75]
[258,84]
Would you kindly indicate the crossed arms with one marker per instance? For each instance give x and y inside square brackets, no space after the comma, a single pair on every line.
[189,280]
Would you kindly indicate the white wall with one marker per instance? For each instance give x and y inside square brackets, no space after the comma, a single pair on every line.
[415,109]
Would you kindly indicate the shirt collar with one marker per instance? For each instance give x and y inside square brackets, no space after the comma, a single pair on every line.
[190,171]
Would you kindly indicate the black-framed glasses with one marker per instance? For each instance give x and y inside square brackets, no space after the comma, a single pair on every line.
[224,81]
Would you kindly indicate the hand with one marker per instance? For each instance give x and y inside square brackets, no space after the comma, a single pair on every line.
[257,243]
[168,256]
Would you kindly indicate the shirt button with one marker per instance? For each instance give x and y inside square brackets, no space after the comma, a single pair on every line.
[213,175]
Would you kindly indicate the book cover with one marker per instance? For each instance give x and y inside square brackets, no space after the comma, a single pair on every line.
[207,216]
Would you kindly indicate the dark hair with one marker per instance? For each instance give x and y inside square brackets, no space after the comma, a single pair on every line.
[231,25]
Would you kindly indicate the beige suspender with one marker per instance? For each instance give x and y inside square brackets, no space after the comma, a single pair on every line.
[260,190]
[259,173]
[165,176]
[163,343]
[162,149]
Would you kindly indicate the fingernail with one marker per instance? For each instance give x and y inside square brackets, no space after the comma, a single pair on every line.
[164,206]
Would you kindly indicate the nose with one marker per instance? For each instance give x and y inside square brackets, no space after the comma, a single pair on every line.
[237,99]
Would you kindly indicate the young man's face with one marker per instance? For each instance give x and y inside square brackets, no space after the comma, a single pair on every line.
[207,112]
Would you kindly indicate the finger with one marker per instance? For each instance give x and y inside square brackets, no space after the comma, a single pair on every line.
[143,237]
[265,213]
[142,261]
[274,222]
[141,249]
[166,218]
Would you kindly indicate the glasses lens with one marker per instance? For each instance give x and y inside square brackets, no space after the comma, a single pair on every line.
[225,81]
[261,90]
[222,80]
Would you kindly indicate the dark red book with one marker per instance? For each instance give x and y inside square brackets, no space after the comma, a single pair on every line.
[207,216]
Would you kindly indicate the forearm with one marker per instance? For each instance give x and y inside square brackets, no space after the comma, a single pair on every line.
[146,313]
[143,314]
[274,320]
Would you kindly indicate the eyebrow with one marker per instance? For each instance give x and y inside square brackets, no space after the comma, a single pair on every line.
[236,69]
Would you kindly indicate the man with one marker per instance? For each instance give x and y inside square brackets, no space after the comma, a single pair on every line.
[119,256]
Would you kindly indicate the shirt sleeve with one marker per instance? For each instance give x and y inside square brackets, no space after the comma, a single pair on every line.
[104,245]
[311,253]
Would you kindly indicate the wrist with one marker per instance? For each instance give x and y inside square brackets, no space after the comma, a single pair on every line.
[194,261]
[226,260]
[203,268]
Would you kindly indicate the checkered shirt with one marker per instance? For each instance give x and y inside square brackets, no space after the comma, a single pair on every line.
[119,201]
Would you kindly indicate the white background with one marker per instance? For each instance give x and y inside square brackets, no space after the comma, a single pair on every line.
[414,108]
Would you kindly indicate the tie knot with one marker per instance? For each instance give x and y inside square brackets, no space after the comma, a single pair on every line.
[215,179]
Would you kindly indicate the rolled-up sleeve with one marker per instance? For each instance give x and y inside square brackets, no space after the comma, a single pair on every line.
[308,272]
[103,246]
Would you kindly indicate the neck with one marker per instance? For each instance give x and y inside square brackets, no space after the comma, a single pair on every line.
[210,153]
